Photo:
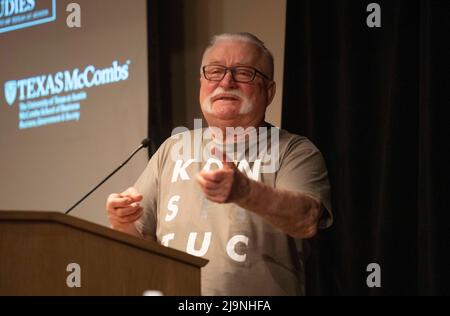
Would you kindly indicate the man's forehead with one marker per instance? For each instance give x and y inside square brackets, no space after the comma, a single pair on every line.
[238,51]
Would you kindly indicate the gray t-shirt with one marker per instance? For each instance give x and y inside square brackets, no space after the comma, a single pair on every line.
[247,255]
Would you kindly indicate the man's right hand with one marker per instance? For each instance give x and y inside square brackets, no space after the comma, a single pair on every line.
[124,209]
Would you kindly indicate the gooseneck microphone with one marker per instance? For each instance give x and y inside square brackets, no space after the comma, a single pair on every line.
[143,144]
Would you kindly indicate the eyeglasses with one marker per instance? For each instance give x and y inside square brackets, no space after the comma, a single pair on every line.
[242,74]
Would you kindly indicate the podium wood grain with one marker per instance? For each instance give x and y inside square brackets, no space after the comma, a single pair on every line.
[36,247]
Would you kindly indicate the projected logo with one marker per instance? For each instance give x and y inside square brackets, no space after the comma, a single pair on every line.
[54,98]
[18,14]
[10,91]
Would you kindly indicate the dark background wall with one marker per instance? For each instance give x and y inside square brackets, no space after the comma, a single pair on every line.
[374,101]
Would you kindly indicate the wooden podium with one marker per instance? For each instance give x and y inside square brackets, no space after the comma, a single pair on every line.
[37,248]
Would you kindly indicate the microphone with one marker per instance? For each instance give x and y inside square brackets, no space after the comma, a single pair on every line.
[145,142]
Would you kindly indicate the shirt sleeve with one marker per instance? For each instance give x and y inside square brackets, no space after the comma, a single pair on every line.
[302,168]
[147,185]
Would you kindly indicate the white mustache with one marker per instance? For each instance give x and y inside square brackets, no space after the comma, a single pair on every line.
[246,105]
[220,90]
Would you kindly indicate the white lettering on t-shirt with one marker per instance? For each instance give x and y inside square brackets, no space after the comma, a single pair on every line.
[232,245]
[180,170]
[244,166]
[173,208]
[205,244]
[166,238]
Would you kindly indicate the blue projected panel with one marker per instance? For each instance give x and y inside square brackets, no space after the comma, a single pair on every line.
[19,14]
[49,98]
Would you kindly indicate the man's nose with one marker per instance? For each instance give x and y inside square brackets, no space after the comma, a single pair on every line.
[228,80]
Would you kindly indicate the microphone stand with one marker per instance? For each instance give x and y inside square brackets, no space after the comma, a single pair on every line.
[143,144]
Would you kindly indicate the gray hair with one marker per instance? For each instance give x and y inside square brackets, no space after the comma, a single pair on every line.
[245,37]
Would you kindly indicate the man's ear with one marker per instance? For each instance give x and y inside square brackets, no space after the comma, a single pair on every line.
[271,89]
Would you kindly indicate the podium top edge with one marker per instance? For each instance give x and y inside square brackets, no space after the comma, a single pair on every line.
[93,228]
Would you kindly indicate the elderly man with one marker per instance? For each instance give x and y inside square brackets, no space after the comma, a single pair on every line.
[247,222]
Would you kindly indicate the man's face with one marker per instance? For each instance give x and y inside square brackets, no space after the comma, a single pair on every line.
[230,102]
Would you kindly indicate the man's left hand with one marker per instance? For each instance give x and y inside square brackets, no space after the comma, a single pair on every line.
[224,185]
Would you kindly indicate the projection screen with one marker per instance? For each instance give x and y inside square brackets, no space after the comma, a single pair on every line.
[73,101]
